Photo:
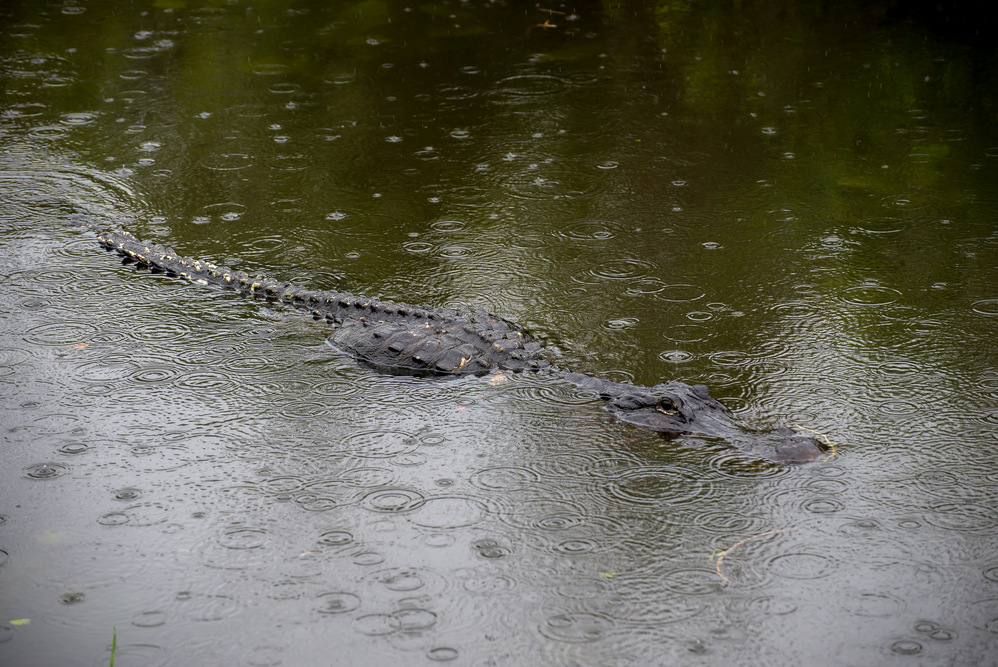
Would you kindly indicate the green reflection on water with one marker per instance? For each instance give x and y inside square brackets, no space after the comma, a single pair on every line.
[556,166]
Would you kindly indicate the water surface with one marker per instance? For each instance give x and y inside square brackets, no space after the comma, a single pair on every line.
[794,206]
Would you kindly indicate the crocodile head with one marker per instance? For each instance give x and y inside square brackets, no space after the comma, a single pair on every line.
[664,408]
[675,408]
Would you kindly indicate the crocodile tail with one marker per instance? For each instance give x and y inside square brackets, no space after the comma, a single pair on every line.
[324,305]
[334,307]
[160,258]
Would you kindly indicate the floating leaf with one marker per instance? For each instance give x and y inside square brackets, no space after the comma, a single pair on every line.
[21,621]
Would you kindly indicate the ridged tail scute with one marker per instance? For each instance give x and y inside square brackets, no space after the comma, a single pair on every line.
[333,306]
[336,307]
[160,258]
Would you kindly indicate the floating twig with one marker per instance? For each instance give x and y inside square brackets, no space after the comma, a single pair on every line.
[720,555]
[547,25]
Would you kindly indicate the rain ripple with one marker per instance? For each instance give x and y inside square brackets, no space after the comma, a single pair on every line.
[505,478]
[61,334]
[870,294]
[234,548]
[415,619]
[872,604]
[963,517]
[542,514]
[487,584]
[801,565]
[544,181]
[723,522]
[393,500]
[953,486]
[337,602]
[539,390]
[576,626]
[375,625]
[449,512]
[207,607]
[658,486]
[228,162]
[692,581]
[589,230]
[379,444]
[566,464]
[585,588]
[409,580]
[73,448]
[45,471]
[985,307]
[141,514]
[367,477]
[106,375]
[337,538]
[513,88]
[135,654]
[772,606]
[443,654]
[14,112]
[639,601]
[149,619]
[624,268]
[321,497]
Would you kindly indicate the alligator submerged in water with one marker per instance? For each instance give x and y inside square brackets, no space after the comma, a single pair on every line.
[417,340]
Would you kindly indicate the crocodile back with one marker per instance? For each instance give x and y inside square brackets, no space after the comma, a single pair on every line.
[456,346]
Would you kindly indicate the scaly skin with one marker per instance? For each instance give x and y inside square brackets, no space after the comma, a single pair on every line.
[400,338]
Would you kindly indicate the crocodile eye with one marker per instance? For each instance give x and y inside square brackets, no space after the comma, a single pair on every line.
[666,406]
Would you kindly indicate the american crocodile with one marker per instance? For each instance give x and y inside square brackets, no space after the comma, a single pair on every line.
[399,338]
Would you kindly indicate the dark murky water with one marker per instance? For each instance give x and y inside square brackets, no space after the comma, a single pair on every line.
[794,206]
